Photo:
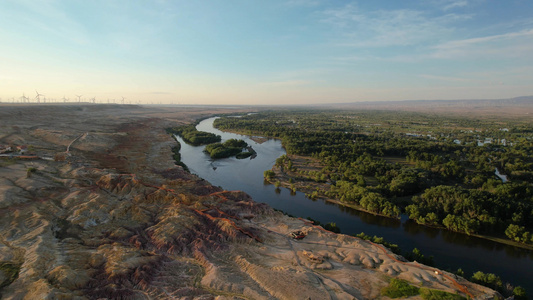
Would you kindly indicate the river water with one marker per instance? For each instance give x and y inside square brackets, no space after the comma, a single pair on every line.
[450,250]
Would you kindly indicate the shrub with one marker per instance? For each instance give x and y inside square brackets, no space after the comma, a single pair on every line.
[29,171]
[428,294]
[332,227]
[399,288]
[487,279]
[269,174]
[519,293]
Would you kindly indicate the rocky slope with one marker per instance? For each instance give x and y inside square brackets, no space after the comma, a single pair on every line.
[114,218]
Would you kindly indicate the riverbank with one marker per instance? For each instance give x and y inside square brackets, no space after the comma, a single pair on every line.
[294,181]
[308,187]
[303,186]
[451,250]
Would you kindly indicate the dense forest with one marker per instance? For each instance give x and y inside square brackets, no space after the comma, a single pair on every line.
[231,147]
[192,136]
[471,175]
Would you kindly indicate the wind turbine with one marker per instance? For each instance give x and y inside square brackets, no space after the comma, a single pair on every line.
[38,96]
[79,98]
[93,99]
[123,100]
[64,99]
[24,99]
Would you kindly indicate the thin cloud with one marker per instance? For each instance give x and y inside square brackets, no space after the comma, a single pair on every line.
[455,4]
[50,17]
[446,5]
[384,28]
[512,44]
[472,41]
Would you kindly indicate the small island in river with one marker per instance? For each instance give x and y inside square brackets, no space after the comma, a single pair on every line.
[117,219]
[231,147]
[214,148]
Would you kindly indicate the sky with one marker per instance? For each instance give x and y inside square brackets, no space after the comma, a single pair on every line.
[265,52]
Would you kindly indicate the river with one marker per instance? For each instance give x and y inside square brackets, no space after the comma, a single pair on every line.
[450,250]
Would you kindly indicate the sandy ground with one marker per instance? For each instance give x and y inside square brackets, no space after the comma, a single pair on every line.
[114,218]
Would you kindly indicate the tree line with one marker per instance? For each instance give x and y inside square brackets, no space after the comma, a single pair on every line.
[439,170]
[192,136]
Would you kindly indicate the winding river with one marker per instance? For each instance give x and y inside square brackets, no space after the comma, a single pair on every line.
[450,250]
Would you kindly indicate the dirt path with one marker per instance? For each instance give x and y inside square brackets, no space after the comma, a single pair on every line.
[80,136]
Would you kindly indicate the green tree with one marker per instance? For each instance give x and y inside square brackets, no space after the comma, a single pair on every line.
[487,279]
[432,219]
[269,174]
[332,227]
[515,232]
[519,293]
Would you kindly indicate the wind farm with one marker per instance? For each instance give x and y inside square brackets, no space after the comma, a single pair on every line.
[389,149]
[40,99]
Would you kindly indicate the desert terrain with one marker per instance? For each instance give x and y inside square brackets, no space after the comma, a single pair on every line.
[113,217]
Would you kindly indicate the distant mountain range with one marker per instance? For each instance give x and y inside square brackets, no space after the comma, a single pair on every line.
[524,100]
[518,105]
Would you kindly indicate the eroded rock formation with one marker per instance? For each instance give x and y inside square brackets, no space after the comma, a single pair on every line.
[115,219]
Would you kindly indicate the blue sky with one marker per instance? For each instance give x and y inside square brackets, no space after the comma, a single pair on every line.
[266,52]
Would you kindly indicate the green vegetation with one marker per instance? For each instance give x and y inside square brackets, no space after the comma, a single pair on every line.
[30,171]
[268,174]
[519,293]
[438,169]
[460,272]
[488,279]
[402,289]
[194,137]
[415,254]
[428,294]
[332,227]
[494,282]
[177,156]
[214,148]
[244,155]
[519,234]
[229,148]
[379,240]
[399,289]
